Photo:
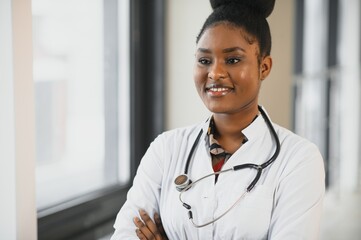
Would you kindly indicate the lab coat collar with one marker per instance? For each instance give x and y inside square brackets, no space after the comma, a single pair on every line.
[256,129]
[252,132]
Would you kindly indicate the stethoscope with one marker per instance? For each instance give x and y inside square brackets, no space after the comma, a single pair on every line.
[183,182]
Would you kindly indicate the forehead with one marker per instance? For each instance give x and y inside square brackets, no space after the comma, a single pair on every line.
[225,35]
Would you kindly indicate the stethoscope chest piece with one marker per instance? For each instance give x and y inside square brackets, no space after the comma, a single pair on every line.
[181,182]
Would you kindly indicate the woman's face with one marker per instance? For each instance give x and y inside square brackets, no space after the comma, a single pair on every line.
[227,71]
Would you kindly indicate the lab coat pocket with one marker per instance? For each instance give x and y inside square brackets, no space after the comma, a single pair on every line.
[250,218]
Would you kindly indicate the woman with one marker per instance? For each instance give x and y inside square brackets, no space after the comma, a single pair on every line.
[277,192]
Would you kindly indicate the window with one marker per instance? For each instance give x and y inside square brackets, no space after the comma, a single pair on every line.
[81,80]
[328,86]
[76,101]
[98,75]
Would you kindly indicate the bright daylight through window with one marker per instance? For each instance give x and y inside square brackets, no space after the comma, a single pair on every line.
[73,134]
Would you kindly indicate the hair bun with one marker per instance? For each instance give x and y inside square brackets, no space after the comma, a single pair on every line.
[264,7]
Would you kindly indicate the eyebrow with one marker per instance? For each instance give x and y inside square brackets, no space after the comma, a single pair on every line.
[226,50]
[233,49]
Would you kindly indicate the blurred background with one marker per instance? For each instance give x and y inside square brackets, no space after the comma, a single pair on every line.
[86,85]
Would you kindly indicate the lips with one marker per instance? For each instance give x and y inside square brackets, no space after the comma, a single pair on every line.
[217,91]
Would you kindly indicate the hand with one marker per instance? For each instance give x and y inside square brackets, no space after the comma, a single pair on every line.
[147,229]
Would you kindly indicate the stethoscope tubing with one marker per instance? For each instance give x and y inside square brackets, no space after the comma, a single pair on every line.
[263,166]
[257,167]
[275,136]
[190,215]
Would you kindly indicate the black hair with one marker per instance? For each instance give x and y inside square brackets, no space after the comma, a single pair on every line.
[250,15]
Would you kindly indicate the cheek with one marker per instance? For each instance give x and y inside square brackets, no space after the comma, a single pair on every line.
[199,76]
[243,79]
[249,76]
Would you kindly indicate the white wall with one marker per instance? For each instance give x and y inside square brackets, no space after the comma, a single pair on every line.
[185,18]
[276,93]
[17,149]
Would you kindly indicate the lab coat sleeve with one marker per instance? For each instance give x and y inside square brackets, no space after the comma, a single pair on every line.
[145,192]
[299,197]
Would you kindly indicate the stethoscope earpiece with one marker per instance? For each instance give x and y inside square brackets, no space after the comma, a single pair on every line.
[181,182]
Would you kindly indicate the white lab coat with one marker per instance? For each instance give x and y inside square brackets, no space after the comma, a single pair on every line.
[286,203]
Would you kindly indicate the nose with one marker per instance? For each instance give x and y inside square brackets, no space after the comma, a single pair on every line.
[217,71]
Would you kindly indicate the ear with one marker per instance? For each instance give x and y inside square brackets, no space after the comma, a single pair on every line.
[265,67]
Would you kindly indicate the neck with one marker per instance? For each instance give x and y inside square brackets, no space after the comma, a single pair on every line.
[229,129]
[231,125]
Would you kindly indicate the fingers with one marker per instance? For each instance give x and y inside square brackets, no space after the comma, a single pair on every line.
[150,225]
[140,235]
[142,230]
[146,228]
[159,225]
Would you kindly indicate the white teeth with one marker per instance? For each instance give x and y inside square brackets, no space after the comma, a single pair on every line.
[218,89]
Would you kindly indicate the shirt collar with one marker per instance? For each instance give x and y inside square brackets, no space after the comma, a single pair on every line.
[214,147]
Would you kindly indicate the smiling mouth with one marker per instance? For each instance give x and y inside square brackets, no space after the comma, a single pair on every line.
[218,90]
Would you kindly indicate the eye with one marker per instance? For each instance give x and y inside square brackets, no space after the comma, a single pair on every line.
[232,60]
[204,61]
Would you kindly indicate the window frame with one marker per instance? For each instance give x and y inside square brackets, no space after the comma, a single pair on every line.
[333,69]
[332,18]
[92,216]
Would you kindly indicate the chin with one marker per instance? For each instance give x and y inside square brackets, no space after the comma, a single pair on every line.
[218,109]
